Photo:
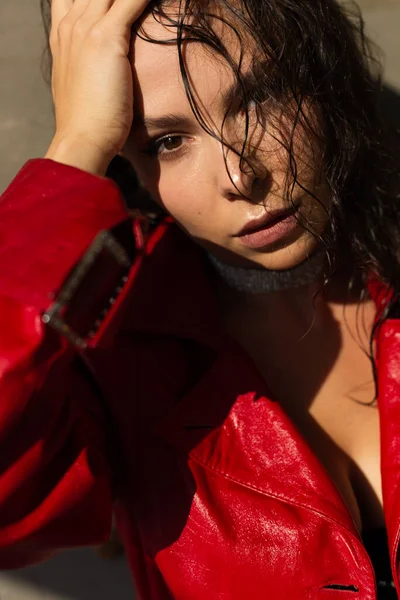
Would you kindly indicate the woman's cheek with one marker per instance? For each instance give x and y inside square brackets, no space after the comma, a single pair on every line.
[180,200]
[183,188]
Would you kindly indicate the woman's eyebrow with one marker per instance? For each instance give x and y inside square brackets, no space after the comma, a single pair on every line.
[163,122]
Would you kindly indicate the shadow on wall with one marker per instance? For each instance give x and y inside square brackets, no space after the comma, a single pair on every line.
[391,107]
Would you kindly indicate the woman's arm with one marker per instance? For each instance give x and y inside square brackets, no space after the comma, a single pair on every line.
[54,473]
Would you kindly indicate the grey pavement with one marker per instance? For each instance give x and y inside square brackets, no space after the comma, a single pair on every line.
[72,575]
[26,128]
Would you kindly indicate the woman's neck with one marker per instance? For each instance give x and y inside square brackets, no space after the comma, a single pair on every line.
[293,310]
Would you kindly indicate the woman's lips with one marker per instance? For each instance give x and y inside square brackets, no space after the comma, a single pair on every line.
[268,229]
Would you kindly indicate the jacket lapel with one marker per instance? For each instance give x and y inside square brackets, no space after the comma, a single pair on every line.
[229,424]
[171,293]
[389,408]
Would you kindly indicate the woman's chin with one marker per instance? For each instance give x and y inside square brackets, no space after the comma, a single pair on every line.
[289,257]
[278,259]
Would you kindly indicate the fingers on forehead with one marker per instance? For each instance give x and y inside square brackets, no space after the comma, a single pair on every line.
[59,9]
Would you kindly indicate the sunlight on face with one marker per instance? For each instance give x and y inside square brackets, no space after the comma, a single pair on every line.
[185,169]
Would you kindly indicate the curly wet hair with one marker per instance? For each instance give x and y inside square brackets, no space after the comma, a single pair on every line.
[312,53]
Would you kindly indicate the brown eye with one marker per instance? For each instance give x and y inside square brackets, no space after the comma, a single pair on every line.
[168,147]
[170,143]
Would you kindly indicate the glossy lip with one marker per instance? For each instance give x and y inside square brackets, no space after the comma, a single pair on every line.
[268,219]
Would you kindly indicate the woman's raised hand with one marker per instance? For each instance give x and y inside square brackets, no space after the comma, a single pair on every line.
[92,80]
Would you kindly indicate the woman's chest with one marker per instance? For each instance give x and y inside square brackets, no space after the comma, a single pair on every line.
[345,436]
[327,389]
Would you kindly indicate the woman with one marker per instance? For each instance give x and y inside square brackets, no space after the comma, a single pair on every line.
[209,375]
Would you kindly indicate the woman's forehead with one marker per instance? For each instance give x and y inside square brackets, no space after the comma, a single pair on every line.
[157,71]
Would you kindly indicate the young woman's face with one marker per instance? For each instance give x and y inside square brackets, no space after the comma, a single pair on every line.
[184,168]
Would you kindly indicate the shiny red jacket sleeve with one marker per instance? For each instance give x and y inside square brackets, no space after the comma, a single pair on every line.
[54,474]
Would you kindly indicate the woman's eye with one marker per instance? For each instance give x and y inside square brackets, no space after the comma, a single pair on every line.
[169,144]
[169,147]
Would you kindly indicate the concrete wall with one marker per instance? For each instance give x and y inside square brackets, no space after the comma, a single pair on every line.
[26,120]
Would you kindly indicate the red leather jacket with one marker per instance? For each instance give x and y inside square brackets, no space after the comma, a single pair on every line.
[120,391]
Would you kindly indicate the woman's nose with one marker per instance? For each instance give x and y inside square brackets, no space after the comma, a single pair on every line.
[242,176]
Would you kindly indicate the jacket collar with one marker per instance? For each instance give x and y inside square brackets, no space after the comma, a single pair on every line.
[389,409]
[172,291]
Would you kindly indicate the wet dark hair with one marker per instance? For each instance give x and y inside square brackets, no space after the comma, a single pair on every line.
[314,53]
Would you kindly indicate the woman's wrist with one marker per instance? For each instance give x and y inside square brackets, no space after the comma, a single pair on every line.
[77,152]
